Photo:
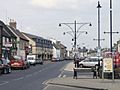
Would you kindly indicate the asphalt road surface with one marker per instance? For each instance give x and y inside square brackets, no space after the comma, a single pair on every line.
[32,78]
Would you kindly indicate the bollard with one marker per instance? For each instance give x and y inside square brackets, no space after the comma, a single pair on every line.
[75,74]
[94,72]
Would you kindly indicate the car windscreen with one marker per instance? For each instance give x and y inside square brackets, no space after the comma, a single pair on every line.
[17,57]
[94,60]
[30,58]
[1,62]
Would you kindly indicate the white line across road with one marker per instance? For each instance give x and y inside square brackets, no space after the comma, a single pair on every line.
[61,74]
[46,87]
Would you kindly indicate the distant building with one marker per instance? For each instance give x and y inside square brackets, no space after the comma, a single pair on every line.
[63,51]
[40,46]
[59,50]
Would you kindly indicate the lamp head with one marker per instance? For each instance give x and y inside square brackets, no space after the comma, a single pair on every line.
[63,33]
[99,6]
[72,39]
[60,25]
[90,24]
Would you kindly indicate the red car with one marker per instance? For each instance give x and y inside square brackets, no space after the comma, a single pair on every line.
[18,62]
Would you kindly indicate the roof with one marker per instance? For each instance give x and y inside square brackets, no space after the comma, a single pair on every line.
[6,31]
[56,46]
[62,46]
[32,36]
[18,33]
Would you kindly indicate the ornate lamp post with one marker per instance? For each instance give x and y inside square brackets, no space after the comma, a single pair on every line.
[75,31]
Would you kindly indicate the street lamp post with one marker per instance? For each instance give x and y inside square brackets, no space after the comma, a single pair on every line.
[1,28]
[111,37]
[74,31]
[99,38]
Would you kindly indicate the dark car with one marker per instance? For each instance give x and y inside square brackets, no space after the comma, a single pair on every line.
[5,67]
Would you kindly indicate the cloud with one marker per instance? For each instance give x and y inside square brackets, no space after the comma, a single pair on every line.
[58,4]
[44,3]
[64,4]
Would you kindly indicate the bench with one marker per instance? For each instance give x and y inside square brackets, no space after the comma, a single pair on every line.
[76,70]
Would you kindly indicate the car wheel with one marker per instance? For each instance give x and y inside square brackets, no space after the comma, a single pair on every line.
[9,70]
[41,63]
[81,66]
[23,67]
[5,71]
[0,72]
[34,64]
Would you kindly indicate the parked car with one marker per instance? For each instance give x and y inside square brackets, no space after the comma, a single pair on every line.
[18,62]
[33,59]
[90,62]
[5,67]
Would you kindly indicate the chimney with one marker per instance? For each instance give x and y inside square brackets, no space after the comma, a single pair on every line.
[13,23]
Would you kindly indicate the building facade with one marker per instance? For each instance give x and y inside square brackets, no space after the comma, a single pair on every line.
[40,46]
[8,46]
[22,42]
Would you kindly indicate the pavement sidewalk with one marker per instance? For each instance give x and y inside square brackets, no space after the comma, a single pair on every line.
[87,83]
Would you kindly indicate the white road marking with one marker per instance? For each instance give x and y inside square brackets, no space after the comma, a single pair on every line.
[46,82]
[29,75]
[4,82]
[18,79]
[46,87]
[61,74]
[64,75]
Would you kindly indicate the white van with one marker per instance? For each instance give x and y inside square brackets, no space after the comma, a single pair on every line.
[33,59]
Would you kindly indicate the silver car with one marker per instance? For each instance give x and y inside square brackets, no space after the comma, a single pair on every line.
[90,62]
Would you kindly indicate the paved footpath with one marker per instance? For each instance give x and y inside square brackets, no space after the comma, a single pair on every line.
[86,83]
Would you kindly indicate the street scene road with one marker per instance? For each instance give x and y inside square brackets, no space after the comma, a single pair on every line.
[31,79]
[36,77]
[68,72]
[34,54]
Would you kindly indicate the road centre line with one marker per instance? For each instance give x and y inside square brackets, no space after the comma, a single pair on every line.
[4,82]
[29,75]
[18,79]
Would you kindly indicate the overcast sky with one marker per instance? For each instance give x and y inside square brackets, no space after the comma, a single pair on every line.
[41,17]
